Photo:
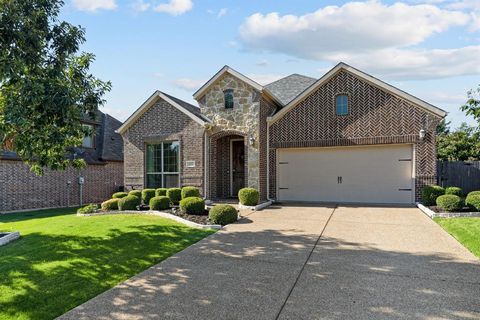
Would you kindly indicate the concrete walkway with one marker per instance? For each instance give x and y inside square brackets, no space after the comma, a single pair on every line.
[307,262]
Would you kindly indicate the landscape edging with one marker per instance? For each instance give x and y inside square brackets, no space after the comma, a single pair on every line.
[432,214]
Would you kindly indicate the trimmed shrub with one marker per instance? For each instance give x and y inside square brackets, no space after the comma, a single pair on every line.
[473,193]
[147,194]
[190,192]
[248,196]
[136,193]
[159,203]
[456,191]
[160,192]
[111,204]
[430,194]
[193,205]
[223,214]
[473,201]
[450,202]
[89,208]
[130,202]
[119,195]
[175,195]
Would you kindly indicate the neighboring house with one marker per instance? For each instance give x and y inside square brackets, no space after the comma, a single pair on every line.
[346,137]
[20,189]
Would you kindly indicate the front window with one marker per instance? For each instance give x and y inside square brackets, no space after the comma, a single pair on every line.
[228,97]
[341,104]
[163,165]
[88,139]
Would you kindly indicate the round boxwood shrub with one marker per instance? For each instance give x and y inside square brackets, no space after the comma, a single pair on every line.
[147,194]
[473,193]
[456,191]
[136,193]
[89,208]
[111,204]
[248,196]
[190,192]
[193,205]
[430,194]
[473,201]
[119,195]
[130,202]
[160,192]
[175,195]
[223,214]
[450,202]
[159,203]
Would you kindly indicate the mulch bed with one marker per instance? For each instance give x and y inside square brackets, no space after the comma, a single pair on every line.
[200,219]
[439,210]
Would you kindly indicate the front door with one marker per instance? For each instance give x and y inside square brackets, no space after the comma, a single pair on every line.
[237,166]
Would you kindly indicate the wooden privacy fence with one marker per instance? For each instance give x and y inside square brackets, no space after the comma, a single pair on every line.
[463,174]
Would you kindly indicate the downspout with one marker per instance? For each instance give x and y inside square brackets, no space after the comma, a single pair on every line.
[205,162]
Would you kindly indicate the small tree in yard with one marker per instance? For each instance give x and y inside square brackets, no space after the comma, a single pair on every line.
[472,107]
[45,84]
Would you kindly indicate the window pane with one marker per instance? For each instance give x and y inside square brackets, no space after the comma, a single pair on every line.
[341,104]
[228,96]
[154,158]
[170,156]
[154,180]
[88,138]
[170,181]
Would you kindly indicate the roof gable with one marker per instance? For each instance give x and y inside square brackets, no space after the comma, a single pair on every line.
[365,77]
[226,69]
[188,109]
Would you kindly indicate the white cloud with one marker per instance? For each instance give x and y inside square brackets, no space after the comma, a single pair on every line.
[355,26]
[189,84]
[222,12]
[141,6]
[264,79]
[401,64]
[94,5]
[370,35]
[262,63]
[175,7]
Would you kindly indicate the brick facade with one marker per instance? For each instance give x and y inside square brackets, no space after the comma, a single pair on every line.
[20,189]
[375,117]
[163,122]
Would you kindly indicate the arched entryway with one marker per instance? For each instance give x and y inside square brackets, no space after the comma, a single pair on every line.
[228,164]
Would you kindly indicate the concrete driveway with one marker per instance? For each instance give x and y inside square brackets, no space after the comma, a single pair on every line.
[307,262]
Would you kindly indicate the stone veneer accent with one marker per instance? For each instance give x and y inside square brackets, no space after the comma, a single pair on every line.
[163,122]
[242,119]
[375,117]
[20,189]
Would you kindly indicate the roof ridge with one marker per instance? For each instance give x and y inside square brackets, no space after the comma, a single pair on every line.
[175,98]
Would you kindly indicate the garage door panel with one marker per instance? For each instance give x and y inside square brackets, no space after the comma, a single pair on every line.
[380,174]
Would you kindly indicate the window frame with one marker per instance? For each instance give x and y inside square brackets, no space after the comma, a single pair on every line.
[92,136]
[162,173]
[337,105]
[225,92]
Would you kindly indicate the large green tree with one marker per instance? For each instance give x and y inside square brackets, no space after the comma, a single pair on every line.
[45,84]
[460,145]
[472,107]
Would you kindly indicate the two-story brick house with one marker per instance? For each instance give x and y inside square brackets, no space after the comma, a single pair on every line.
[346,137]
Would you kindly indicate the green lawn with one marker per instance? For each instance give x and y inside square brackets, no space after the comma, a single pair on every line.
[62,260]
[465,230]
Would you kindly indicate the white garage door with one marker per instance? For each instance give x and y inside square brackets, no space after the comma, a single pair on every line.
[375,174]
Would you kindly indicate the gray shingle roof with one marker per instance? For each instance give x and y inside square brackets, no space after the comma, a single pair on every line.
[288,88]
[190,107]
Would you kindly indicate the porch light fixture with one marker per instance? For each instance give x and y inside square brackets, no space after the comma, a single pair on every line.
[421,134]
[251,140]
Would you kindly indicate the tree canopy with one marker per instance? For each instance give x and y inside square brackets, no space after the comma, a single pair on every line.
[45,84]
[460,145]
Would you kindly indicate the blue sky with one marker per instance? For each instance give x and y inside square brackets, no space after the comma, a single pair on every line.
[430,48]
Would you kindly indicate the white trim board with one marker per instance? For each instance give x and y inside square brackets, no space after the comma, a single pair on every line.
[226,69]
[149,103]
[364,76]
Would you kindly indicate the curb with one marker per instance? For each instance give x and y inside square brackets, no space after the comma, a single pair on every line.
[432,214]
[10,236]
[160,214]
[258,207]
